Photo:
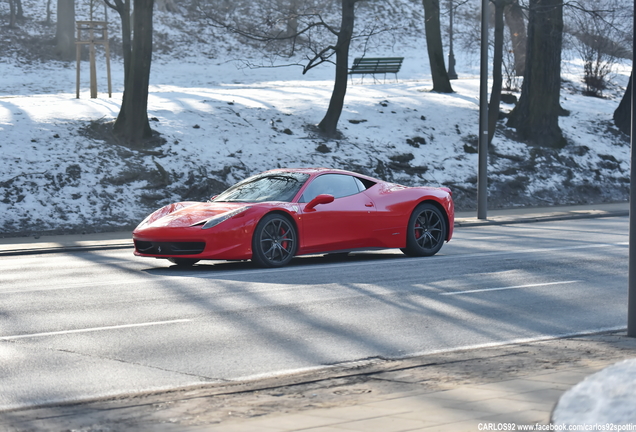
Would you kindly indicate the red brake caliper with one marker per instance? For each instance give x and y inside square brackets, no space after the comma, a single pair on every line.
[283,233]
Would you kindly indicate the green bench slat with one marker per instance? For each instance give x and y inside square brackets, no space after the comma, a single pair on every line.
[373,65]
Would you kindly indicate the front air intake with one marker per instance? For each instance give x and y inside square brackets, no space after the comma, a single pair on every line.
[169,248]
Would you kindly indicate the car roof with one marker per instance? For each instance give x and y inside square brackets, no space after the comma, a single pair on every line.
[321,170]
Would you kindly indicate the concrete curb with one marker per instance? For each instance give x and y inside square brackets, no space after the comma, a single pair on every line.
[63,249]
[530,218]
[65,243]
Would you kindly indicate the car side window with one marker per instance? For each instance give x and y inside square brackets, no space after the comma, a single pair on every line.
[338,185]
[360,185]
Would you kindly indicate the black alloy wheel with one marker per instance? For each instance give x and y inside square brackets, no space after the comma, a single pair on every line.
[426,231]
[274,242]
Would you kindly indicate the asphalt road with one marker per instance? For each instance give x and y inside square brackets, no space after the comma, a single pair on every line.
[76,326]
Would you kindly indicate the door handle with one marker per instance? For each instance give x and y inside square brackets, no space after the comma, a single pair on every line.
[369,204]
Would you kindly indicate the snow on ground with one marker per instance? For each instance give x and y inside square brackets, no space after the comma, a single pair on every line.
[223,122]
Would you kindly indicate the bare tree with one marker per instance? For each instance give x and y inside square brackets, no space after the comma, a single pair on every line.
[597,30]
[501,12]
[48,12]
[329,124]
[536,116]
[12,14]
[122,7]
[15,12]
[623,114]
[441,81]
[497,76]
[273,24]
[512,79]
[514,18]
[292,21]
[132,125]
[65,33]
[312,33]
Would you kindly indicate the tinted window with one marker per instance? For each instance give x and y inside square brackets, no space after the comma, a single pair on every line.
[360,185]
[338,185]
[364,183]
[280,186]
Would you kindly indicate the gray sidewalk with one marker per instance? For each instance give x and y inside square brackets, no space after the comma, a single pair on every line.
[528,400]
[517,384]
[459,391]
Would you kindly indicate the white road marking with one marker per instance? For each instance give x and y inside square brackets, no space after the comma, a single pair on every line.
[508,288]
[92,329]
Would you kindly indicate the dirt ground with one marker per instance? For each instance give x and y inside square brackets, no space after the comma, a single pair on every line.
[343,385]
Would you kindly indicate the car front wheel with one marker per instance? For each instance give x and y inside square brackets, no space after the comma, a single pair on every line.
[274,242]
[426,231]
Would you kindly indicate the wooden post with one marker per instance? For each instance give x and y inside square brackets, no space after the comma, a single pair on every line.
[93,67]
[107,49]
[97,35]
[78,54]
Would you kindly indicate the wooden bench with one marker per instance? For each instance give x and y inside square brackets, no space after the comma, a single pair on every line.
[376,65]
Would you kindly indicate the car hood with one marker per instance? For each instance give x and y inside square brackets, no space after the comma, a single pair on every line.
[180,215]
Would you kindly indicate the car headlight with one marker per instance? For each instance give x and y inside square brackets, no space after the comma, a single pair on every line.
[214,221]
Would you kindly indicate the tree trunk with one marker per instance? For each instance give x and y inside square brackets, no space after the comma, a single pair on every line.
[126,35]
[441,81]
[65,35]
[292,25]
[329,124]
[48,12]
[122,7]
[292,19]
[497,79]
[12,14]
[623,114]
[536,116]
[132,122]
[514,20]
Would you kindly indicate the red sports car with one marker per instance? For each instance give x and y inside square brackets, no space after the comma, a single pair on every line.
[276,215]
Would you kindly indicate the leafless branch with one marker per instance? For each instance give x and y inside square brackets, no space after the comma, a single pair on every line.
[316,52]
[264,37]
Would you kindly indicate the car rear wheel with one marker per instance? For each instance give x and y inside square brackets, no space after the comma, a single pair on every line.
[274,242]
[183,262]
[426,231]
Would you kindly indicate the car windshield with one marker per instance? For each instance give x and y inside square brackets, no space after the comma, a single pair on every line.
[279,186]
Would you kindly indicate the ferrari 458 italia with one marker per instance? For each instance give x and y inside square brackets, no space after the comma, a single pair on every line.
[276,215]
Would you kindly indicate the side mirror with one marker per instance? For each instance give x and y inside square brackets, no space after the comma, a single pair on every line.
[320,199]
